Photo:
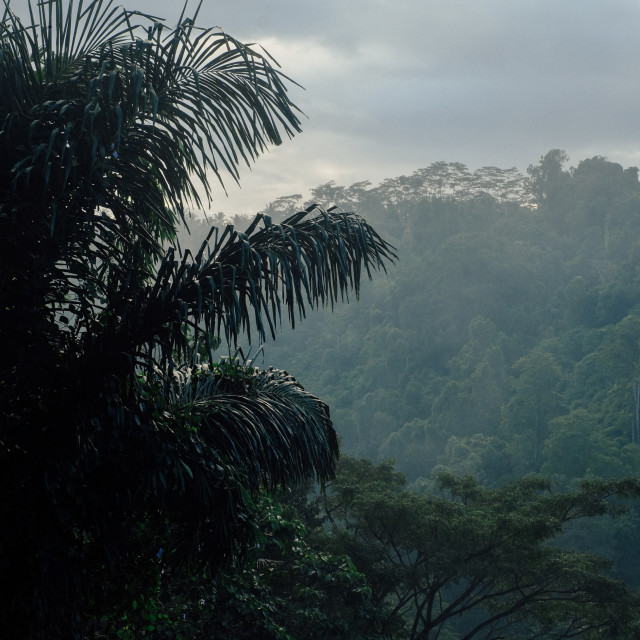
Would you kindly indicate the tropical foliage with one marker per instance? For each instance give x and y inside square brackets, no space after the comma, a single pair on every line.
[138,467]
[375,559]
[479,563]
[125,440]
[506,341]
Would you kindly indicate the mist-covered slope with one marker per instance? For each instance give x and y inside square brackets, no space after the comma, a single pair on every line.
[505,341]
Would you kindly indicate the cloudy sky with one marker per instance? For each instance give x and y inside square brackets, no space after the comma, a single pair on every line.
[393,85]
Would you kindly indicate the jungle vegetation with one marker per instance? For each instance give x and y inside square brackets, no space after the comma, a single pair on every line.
[130,452]
[156,483]
[504,347]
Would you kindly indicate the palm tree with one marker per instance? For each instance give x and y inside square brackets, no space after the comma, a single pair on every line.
[128,451]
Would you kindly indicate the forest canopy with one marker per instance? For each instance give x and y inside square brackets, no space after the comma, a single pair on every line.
[155,482]
[506,342]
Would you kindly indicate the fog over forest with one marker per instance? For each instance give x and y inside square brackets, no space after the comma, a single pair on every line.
[514,296]
[401,405]
[505,340]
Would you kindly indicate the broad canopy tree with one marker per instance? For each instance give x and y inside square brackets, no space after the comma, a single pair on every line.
[123,438]
[476,563]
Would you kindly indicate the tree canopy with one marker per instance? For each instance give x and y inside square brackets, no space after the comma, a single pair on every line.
[476,562]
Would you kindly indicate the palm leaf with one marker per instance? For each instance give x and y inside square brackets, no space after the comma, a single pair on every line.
[108,133]
[261,421]
[241,283]
[222,433]
[98,114]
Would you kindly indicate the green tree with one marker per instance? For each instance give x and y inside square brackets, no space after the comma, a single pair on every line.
[122,436]
[315,595]
[481,362]
[414,446]
[479,562]
[484,457]
[549,177]
[578,447]
[535,401]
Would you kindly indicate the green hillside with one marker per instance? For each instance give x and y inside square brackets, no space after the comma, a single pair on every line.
[498,366]
[505,341]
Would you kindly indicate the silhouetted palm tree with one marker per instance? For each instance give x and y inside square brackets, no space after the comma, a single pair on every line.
[121,432]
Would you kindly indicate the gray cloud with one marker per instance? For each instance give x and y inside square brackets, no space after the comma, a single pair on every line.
[393,85]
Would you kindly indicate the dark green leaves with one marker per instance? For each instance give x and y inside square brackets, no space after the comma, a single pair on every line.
[485,563]
[97,112]
[243,282]
[115,440]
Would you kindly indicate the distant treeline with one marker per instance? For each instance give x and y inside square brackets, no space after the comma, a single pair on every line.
[440,180]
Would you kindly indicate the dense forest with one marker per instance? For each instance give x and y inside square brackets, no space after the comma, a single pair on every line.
[456,457]
[503,347]
[506,339]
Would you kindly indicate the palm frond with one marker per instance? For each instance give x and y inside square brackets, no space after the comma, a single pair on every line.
[223,433]
[107,133]
[261,421]
[245,282]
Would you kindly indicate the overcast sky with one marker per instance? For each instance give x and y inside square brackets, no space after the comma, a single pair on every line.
[393,85]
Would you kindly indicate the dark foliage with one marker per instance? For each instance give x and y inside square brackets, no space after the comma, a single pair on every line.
[123,436]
